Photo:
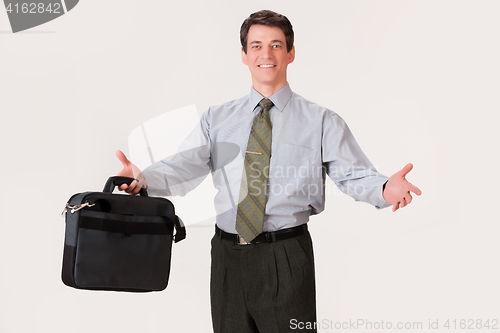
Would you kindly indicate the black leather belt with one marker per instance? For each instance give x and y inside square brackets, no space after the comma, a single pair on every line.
[265,237]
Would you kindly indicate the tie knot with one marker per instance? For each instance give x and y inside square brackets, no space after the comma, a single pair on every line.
[266,104]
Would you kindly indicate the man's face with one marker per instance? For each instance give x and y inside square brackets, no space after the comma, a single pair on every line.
[266,56]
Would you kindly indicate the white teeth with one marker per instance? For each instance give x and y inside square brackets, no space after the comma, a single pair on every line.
[266,66]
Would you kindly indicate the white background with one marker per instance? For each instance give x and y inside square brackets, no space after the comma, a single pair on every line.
[417,81]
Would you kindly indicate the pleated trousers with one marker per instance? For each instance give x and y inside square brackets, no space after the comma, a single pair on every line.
[263,287]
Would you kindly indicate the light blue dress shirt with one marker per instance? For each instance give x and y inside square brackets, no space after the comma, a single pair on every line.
[308,143]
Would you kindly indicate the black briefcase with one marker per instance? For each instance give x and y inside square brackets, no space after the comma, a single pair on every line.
[119,242]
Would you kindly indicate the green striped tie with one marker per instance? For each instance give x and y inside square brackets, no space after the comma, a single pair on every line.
[250,215]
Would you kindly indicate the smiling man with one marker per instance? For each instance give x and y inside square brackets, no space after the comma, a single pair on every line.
[266,54]
[262,274]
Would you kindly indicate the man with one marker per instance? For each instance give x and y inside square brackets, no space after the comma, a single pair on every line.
[262,274]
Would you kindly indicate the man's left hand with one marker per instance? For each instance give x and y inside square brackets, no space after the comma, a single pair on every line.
[397,189]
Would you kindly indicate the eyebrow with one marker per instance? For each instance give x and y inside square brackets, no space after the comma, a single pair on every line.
[273,41]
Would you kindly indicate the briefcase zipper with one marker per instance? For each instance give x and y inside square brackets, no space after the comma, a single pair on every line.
[76,208]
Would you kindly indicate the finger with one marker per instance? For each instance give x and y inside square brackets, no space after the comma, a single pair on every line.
[121,156]
[403,202]
[123,187]
[136,190]
[395,207]
[408,198]
[414,189]
[133,186]
[405,170]
[130,189]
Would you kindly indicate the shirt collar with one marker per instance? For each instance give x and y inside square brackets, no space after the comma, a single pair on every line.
[279,98]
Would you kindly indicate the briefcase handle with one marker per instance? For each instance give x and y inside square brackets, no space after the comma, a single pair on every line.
[120,180]
[180,229]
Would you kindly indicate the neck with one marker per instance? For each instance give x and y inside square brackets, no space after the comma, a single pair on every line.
[267,90]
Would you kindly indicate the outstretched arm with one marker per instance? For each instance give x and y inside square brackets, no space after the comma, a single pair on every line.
[397,189]
[185,170]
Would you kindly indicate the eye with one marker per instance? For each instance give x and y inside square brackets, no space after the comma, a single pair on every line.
[277,46]
[256,47]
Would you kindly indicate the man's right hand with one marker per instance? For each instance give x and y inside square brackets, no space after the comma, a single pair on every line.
[130,170]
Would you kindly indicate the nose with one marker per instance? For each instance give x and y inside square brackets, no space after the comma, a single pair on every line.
[266,52]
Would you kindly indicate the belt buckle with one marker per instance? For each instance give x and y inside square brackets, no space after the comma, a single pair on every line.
[241,241]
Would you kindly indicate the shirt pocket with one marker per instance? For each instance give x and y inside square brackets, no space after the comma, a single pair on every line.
[293,166]
[292,151]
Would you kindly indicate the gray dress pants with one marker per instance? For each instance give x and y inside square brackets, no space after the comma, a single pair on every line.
[262,287]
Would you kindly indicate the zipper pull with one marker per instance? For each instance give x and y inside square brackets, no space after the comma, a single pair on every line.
[83,205]
[65,209]
[76,208]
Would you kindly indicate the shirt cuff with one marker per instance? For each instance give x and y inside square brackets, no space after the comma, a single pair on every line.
[382,203]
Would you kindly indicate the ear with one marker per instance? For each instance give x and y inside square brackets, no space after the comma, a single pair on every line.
[291,55]
[244,57]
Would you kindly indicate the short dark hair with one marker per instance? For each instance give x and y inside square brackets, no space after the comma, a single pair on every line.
[271,19]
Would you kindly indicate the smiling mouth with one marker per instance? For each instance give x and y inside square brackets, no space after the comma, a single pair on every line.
[266,66]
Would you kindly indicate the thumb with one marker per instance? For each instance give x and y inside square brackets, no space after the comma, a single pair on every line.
[405,170]
[121,156]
